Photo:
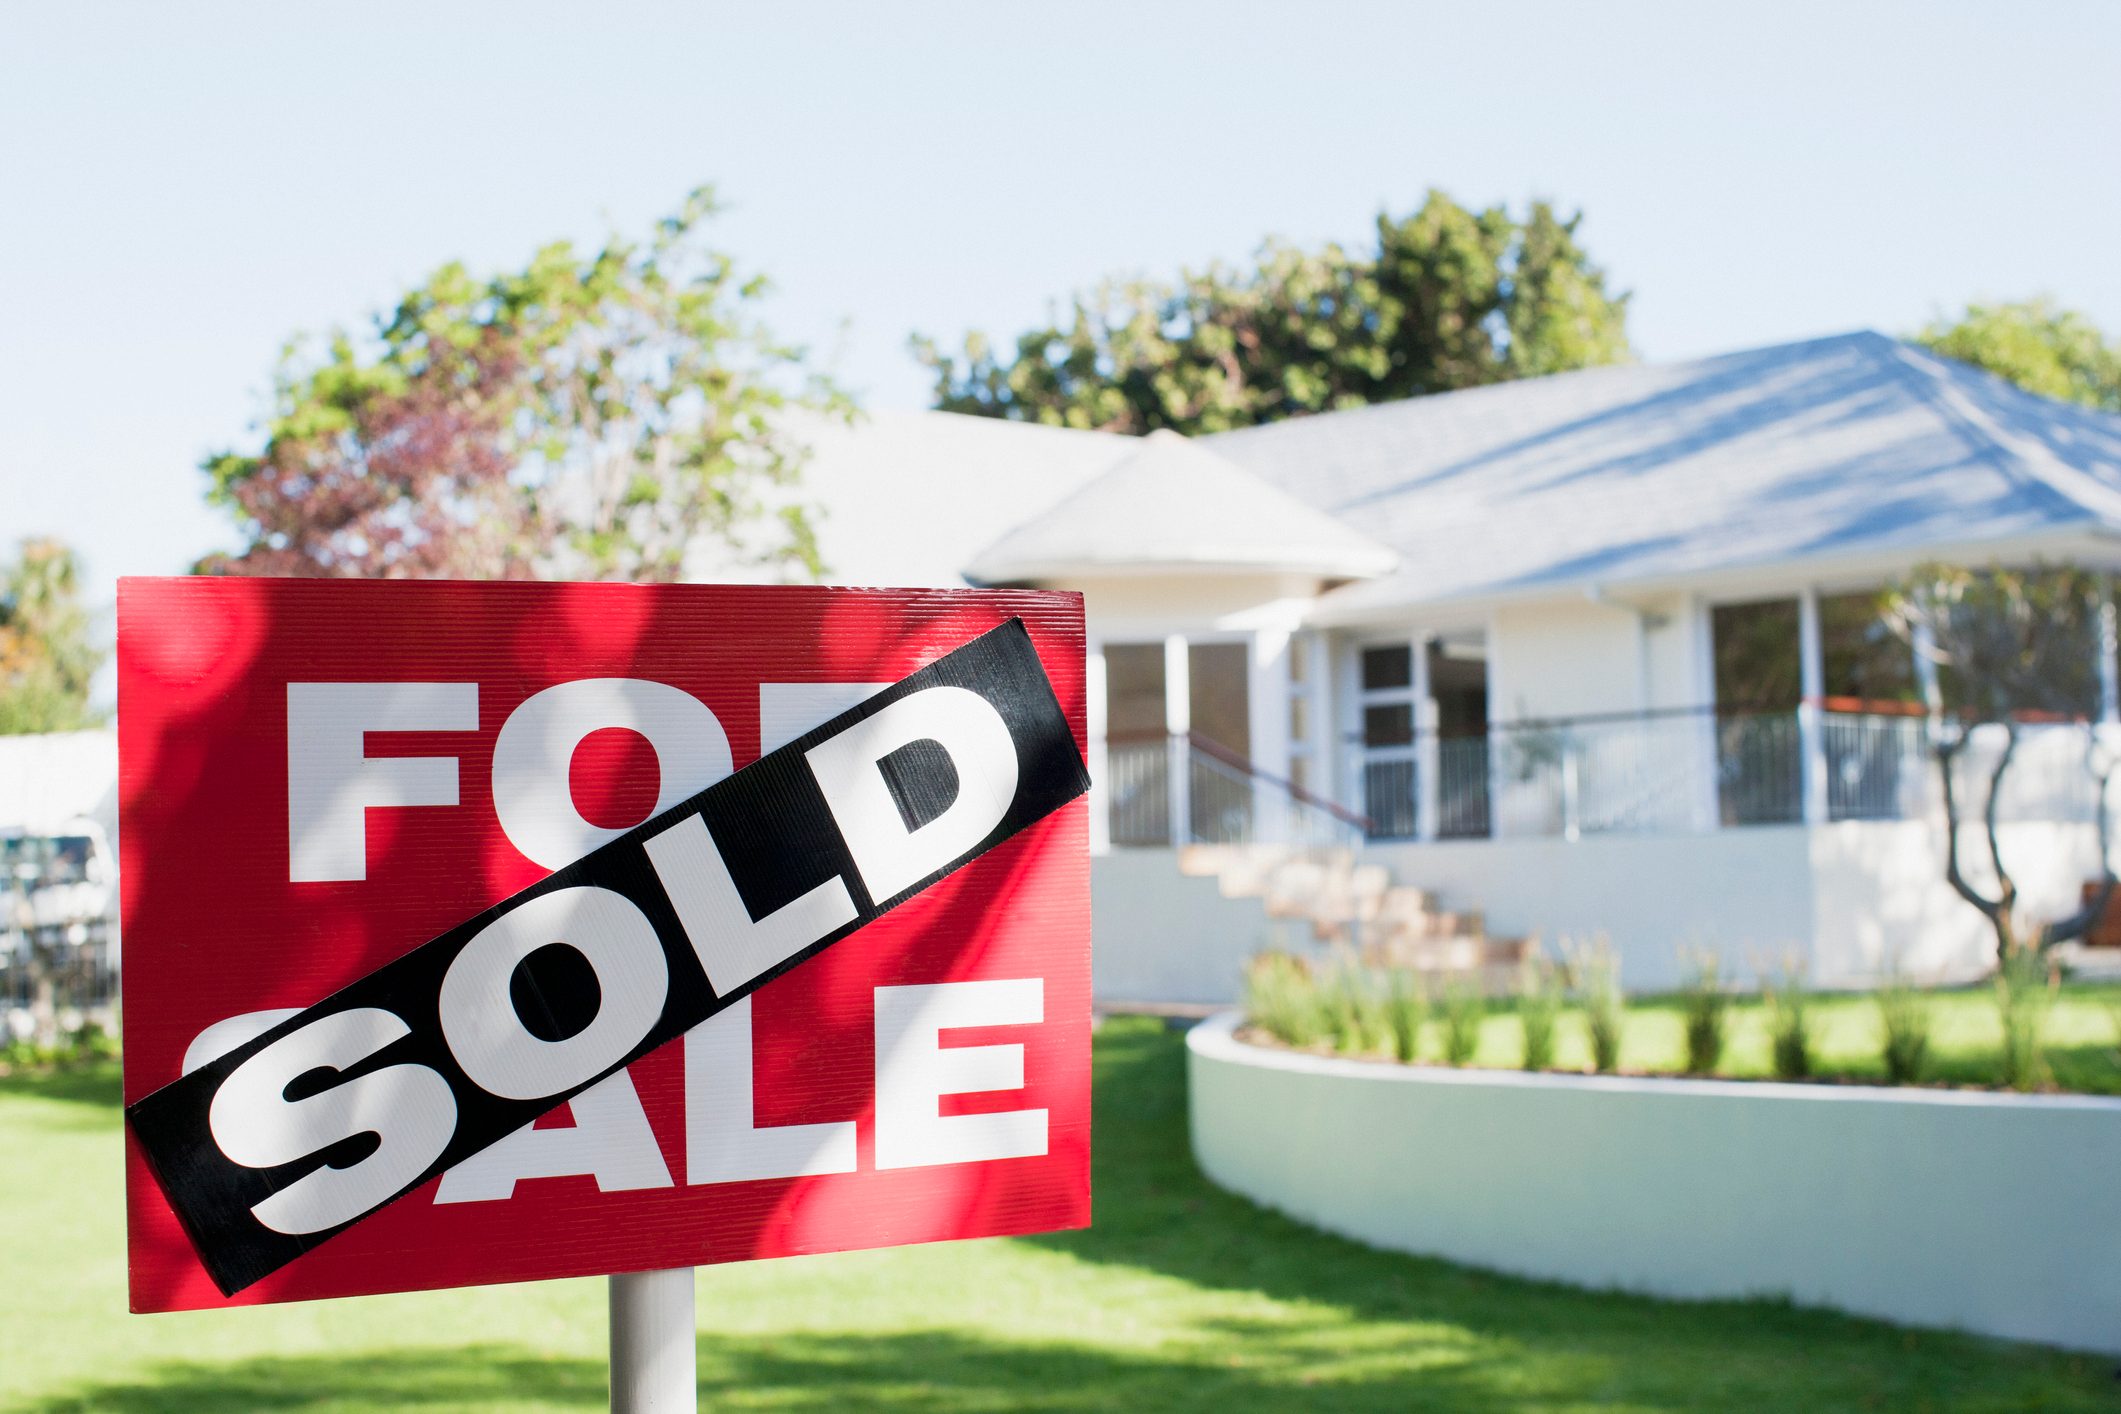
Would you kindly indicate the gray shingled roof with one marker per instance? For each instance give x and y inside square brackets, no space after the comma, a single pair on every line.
[1172,504]
[1844,446]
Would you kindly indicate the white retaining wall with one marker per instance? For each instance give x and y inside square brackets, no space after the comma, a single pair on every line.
[1161,936]
[1999,1214]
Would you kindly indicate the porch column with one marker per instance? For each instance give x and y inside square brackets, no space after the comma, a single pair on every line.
[2109,671]
[1428,757]
[1322,717]
[1270,690]
[1706,747]
[1178,722]
[1094,715]
[1811,710]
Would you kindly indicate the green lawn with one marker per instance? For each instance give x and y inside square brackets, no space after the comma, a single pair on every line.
[1181,1298]
[2083,1038]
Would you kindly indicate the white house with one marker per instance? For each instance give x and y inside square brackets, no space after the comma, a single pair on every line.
[1586,654]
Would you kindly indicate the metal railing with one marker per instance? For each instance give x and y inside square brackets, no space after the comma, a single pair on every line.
[56,976]
[1693,770]
[1878,767]
[1219,796]
[58,936]
[1659,772]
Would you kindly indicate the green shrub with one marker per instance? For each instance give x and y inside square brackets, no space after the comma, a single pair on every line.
[1789,1024]
[82,1040]
[1538,1008]
[1356,1006]
[2022,984]
[1704,1005]
[1406,1009]
[1283,998]
[1462,1013]
[1904,1016]
[1594,973]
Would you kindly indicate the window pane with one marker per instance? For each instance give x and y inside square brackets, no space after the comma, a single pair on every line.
[1219,683]
[1134,690]
[1299,725]
[1756,656]
[1458,680]
[1387,667]
[1863,658]
[1391,725]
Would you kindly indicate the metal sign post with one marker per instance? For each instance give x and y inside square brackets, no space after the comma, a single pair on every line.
[654,1365]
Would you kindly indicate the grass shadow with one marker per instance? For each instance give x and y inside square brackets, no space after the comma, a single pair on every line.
[471,1378]
[93,1083]
[925,1370]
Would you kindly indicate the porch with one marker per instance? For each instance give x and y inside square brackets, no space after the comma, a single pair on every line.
[1683,771]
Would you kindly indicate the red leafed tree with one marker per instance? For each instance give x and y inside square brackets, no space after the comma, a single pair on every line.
[591,416]
[406,475]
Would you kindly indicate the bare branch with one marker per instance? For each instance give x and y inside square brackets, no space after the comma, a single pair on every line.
[1947,751]
[2006,890]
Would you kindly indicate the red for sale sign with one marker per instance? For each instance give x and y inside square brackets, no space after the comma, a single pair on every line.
[497,932]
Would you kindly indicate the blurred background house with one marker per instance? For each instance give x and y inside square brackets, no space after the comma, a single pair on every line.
[59,936]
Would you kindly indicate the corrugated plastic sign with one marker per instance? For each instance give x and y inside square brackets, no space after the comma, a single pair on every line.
[497,932]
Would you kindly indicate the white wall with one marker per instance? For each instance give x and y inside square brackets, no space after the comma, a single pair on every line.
[46,781]
[1146,608]
[1910,1205]
[1564,658]
[1161,936]
[1675,673]
[1881,900]
[1863,896]
[1736,892]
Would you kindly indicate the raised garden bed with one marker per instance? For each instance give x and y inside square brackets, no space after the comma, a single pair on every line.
[1977,1210]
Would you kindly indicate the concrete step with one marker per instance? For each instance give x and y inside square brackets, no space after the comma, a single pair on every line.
[1338,898]
[1402,902]
[1434,925]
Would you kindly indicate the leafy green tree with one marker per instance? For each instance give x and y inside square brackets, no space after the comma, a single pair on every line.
[591,415]
[1448,298]
[48,656]
[2041,347]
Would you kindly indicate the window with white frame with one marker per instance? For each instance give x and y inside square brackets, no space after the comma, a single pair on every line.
[1387,697]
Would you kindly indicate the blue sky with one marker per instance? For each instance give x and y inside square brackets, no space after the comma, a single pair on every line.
[184,186]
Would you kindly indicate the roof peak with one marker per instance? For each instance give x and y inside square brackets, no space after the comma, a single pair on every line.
[1170,504]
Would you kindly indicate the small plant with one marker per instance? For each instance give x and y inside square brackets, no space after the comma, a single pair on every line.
[1538,1008]
[1789,1022]
[1705,1006]
[1904,1015]
[2022,984]
[1406,1010]
[1356,1005]
[1283,998]
[1462,1011]
[1594,972]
